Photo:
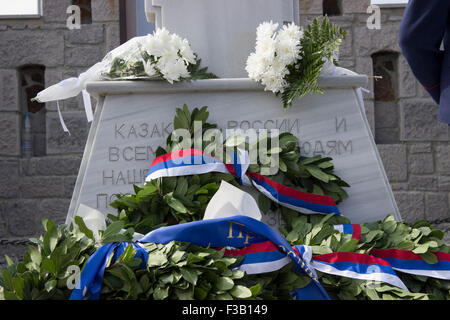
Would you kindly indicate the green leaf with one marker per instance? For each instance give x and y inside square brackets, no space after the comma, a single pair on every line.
[175,204]
[240,292]
[182,186]
[35,256]
[83,229]
[113,229]
[156,259]
[147,191]
[9,261]
[420,249]
[429,257]
[184,294]
[406,245]
[317,173]
[19,284]
[264,203]
[7,279]
[189,275]
[224,283]
[49,266]
[255,290]
[161,293]
[234,141]
[348,246]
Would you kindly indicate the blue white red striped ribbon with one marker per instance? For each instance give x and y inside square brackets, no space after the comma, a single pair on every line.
[260,258]
[357,266]
[378,266]
[409,262]
[353,229]
[193,161]
[265,257]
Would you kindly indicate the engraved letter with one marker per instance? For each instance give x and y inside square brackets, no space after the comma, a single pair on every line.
[106,177]
[117,131]
[106,199]
[114,154]
[342,122]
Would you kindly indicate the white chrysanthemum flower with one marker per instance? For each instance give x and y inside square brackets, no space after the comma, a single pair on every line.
[156,46]
[288,50]
[173,70]
[149,68]
[186,52]
[162,35]
[274,52]
[265,30]
[279,67]
[266,48]
[256,66]
[273,81]
[169,53]
[176,41]
[292,31]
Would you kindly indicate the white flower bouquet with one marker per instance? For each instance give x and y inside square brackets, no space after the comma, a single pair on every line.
[289,61]
[160,55]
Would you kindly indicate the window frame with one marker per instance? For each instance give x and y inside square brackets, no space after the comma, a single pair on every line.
[389,3]
[25,16]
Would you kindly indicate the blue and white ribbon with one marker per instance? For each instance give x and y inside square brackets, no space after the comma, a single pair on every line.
[192,161]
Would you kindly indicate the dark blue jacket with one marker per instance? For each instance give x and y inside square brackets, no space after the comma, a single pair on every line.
[424,27]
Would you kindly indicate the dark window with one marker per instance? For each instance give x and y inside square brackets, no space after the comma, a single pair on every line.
[86,11]
[387,115]
[332,7]
[32,81]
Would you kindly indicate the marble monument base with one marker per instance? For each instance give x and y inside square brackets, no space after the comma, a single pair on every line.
[133,118]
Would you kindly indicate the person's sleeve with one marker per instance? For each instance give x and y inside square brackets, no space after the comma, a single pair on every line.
[421,33]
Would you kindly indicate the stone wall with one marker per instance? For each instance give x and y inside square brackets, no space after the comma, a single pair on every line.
[414,146]
[41,187]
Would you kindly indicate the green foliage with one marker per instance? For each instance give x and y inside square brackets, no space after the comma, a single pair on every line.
[182,271]
[318,232]
[44,272]
[320,40]
[176,271]
[173,200]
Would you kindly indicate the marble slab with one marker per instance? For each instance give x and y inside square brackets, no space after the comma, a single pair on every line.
[221,32]
[133,118]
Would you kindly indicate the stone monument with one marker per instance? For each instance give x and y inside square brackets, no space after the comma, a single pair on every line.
[133,118]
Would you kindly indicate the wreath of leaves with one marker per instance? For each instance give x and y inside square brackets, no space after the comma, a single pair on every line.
[183,271]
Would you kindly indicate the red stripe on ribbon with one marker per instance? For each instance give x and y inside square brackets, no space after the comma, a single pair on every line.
[406,255]
[265,246]
[350,257]
[356,231]
[179,154]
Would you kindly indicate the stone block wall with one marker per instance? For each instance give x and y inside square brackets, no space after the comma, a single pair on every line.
[41,187]
[414,146]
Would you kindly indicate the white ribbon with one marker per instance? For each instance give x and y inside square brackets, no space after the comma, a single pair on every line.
[229,201]
[87,105]
[61,120]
